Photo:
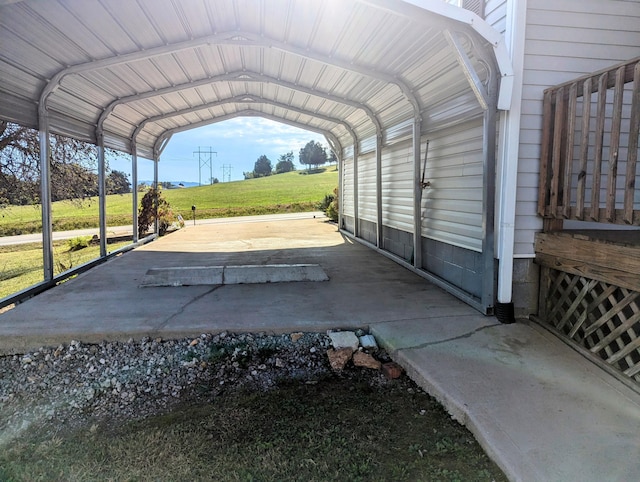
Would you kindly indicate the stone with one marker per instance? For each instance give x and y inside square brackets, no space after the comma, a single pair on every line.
[296,336]
[362,359]
[344,339]
[392,370]
[338,359]
[368,342]
[194,342]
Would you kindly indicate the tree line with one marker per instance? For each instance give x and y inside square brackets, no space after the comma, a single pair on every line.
[312,154]
[73,166]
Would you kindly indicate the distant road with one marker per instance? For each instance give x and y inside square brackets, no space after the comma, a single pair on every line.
[124,230]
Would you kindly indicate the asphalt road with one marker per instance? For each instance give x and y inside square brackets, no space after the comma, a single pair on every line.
[124,230]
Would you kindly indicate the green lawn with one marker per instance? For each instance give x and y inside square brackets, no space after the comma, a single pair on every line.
[291,192]
[21,264]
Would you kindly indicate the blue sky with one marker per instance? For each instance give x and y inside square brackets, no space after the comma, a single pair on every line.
[238,143]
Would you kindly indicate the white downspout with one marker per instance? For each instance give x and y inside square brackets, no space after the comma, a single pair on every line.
[509,147]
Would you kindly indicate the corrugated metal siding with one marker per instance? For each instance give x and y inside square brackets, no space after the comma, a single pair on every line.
[452,205]
[347,187]
[564,40]
[397,186]
[367,187]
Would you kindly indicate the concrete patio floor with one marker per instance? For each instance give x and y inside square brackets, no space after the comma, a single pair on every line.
[540,410]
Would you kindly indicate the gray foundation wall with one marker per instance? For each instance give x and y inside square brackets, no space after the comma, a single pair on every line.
[367,231]
[459,266]
[526,283]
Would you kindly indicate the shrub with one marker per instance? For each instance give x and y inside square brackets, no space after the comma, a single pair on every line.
[324,204]
[147,213]
[78,243]
[333,208]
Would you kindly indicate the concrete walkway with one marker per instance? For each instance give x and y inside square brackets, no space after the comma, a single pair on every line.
[540,410]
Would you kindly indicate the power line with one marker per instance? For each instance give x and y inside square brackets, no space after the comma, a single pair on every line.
[226,172]
[205,158]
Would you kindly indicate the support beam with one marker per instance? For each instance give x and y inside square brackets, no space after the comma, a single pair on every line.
[356,217]
[45,195]
[417,195]
[379,230]
[134,192]
[488,195]
[102,197]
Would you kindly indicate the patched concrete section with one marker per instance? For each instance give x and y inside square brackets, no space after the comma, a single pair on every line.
[273,273]
[183,276]
[229,275]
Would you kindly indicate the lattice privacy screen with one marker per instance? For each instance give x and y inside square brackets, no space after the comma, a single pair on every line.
[603,318]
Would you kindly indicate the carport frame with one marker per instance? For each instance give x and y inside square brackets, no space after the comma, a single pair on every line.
[414,9]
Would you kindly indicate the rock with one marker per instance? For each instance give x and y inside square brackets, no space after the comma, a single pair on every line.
[338,359]
[368,342]
[362,359]
[194,342]
[296,336]
[344,339]
[392,370]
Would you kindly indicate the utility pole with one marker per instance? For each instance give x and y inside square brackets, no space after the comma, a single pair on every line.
[226,171]
[205,158]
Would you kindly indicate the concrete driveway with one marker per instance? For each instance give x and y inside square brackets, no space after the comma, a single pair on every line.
[108,303]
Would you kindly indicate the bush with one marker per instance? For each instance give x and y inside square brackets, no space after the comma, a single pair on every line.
[147,213]
[324,204]
[333,209]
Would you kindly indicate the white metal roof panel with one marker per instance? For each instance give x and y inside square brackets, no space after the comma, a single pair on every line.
[111,64]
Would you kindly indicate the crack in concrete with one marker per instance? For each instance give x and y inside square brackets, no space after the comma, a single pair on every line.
[184,307]
[446,340]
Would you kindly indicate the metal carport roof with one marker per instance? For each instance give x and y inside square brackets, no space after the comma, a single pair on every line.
[128,74]
[137,70]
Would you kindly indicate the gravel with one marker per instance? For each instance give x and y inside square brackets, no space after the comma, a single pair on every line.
[75,384]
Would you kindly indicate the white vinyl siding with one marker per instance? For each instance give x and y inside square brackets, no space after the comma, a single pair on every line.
[397,186]
[452,204]
[495,14]
[565,39]
[367,187]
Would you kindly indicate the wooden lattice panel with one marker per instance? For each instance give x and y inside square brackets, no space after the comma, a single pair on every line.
[603,318]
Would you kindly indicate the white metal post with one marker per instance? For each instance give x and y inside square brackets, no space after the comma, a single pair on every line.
[45,196]
[102,197]
[134,191]
[417,196]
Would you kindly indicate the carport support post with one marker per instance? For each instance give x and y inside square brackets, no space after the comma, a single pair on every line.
[134,191]
[489,193]
[45,196]
[356,218]
[379,233]
[102,197]
[156,223]
[417,196]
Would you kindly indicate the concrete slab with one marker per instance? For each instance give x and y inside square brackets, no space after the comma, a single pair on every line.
[181,276]
[273,273]
[229,275]
[540,410]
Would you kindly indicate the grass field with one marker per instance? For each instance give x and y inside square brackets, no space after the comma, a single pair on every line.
[334,430]
[21,264]
[296,191]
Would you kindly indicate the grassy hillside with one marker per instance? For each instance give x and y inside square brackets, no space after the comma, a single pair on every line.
[291,192]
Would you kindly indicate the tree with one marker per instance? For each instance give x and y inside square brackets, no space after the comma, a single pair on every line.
[117,182]
[73,165]
[332,157]
[285,163]
[313,154]
[262,167]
